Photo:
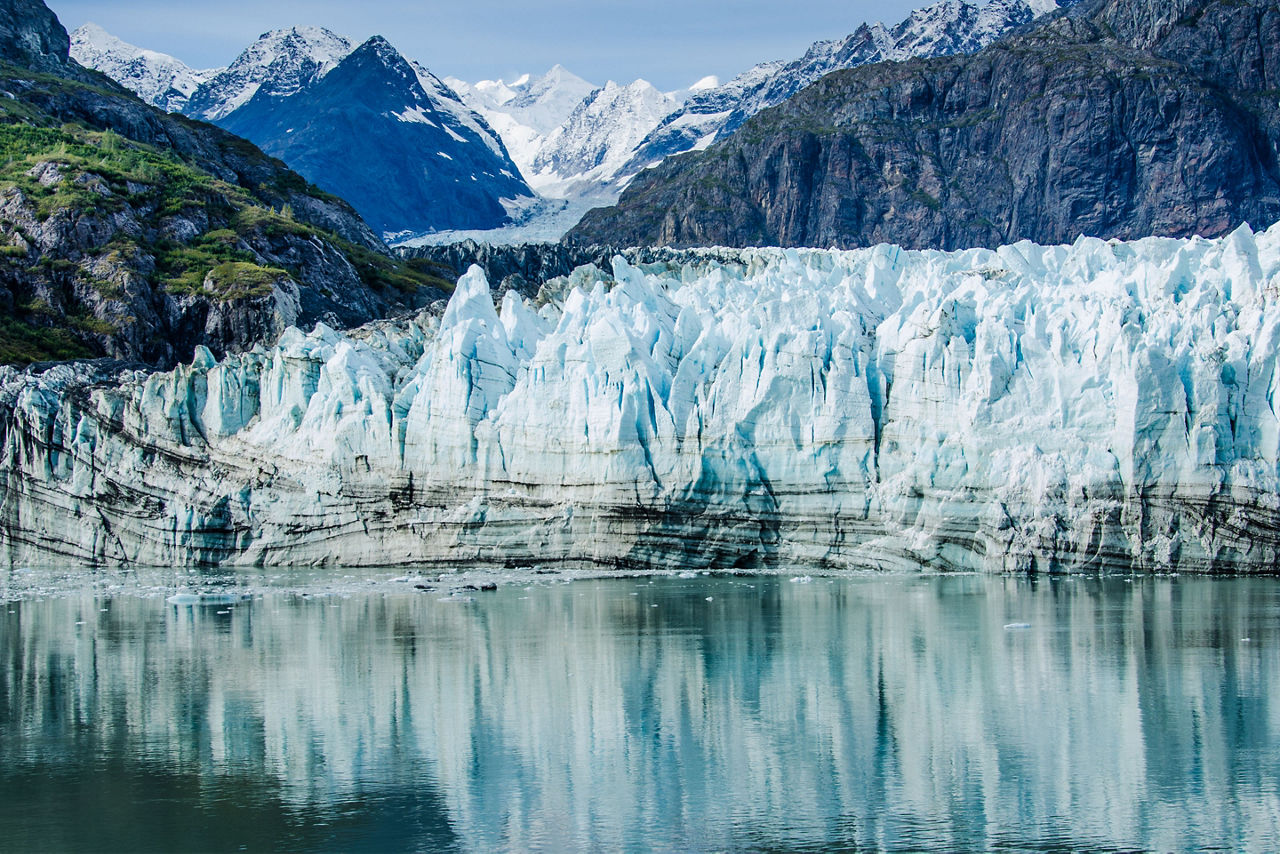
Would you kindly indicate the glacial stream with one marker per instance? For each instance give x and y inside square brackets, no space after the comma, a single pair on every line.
[704,713]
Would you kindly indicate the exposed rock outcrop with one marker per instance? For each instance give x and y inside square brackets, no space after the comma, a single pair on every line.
[129,233]
[32,36]
[1121,119]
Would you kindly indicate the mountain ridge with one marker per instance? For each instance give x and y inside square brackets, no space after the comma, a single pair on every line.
[407,154]
[133,234]
[277,86]
[1061,131]
[157,78]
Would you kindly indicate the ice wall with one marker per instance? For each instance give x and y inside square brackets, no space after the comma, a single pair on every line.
[1095,405]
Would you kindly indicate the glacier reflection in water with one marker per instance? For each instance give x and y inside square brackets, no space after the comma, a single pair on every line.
[673,714]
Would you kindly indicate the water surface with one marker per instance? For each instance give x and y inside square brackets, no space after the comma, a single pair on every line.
[684,714]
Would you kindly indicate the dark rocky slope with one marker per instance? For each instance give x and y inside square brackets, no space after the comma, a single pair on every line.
[128,233]
[1122,119]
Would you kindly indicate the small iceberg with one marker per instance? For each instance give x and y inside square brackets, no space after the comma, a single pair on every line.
[802,579]
[1009,627]
[207,598]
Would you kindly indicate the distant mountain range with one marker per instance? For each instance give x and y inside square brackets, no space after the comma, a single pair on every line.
[279,64]
[557,133]
[363,123]
[944,28]
[617,131]
[157,78]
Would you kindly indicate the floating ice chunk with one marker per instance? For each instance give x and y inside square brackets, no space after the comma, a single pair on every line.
[207,598]
[1016,626]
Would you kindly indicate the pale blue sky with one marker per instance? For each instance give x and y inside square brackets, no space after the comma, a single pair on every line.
[668,42]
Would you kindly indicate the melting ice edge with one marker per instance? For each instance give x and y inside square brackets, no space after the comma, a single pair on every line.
[1101,405]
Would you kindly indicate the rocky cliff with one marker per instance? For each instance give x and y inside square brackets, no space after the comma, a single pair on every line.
[31,36]
[944,28]
[523,268]
[1119,119]
[128,233]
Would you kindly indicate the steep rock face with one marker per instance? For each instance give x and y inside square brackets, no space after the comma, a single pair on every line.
[132,234]
[942,29]
[1099,406]
[393,140]
[32,36]
[524,268]
[1068,130]
[157,78]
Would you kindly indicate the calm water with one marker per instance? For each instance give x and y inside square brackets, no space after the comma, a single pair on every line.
[887,713]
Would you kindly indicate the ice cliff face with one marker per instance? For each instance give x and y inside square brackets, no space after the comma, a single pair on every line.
[1026,408]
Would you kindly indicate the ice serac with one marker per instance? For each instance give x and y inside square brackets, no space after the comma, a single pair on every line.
[1102,405]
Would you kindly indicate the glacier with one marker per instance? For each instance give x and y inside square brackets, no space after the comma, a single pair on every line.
[1097,406]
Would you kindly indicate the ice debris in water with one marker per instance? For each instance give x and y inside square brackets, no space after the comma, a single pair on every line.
[207,598]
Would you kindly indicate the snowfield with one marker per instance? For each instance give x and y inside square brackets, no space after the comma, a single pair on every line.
[1094,406]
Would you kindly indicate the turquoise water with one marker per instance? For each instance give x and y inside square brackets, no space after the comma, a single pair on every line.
[704,714]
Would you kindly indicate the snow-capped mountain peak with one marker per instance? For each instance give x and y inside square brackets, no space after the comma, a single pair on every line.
[540,103]
[598,137]
[280,63]
[157,78]
[525,111]
[391,138]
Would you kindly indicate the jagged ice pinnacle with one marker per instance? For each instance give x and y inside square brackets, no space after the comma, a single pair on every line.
[1028,408]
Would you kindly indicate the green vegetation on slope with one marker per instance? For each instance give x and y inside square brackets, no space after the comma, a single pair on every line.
[123,231]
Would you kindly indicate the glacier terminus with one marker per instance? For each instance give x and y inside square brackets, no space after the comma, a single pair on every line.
[1102,405]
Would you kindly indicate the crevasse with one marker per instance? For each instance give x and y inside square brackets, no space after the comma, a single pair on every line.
[1100,405]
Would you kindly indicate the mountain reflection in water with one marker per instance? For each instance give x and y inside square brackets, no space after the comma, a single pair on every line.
[872,713]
